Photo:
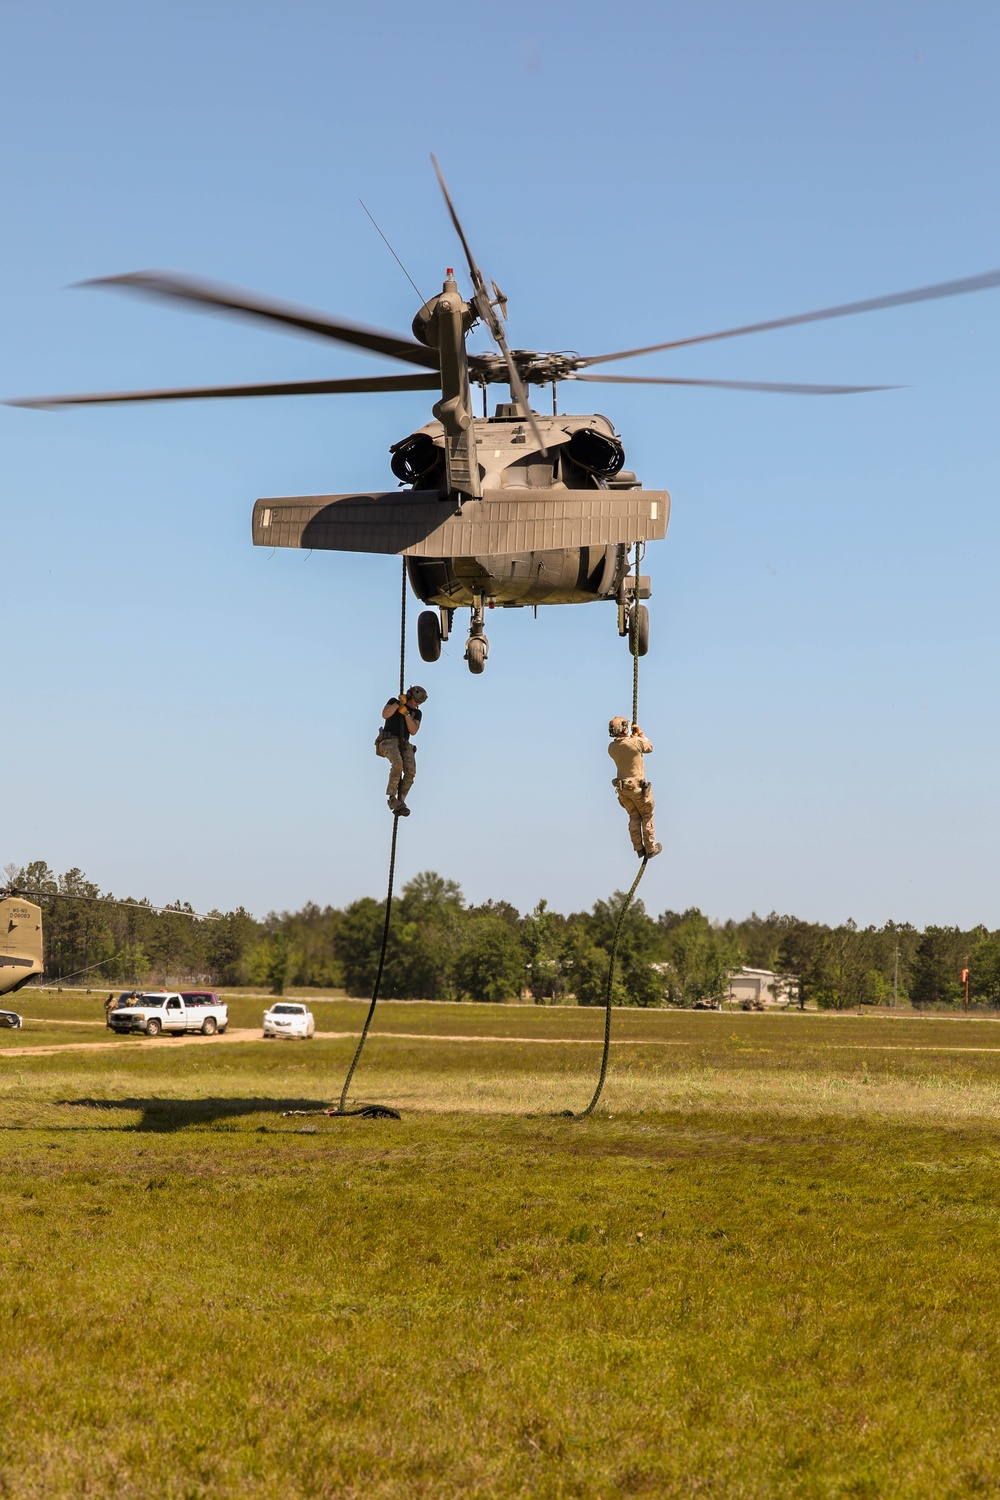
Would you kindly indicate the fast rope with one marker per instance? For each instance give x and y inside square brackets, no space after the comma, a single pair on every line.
[634,646]
[343,1110]
[375,1111]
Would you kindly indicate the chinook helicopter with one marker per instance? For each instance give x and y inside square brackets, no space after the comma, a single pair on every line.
[22,953]
[511,510]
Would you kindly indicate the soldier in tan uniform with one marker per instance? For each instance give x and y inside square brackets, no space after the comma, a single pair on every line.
[400,719]
[634,792]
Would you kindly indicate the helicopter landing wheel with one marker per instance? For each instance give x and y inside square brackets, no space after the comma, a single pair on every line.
[476,651]
[638,630]
[428,635]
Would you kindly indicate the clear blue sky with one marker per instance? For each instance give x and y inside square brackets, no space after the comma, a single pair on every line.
[187,716]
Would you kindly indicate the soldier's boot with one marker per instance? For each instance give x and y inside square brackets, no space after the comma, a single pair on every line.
[401,810]
[393,802]
[652,853]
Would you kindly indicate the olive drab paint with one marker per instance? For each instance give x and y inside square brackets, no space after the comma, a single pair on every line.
[20,943]
[508,511]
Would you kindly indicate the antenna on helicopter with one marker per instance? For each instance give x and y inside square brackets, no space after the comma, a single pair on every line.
[392,252]
[485,305]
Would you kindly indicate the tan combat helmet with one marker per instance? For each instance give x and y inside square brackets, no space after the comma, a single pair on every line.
[20,943]
[419,693]
[618,727]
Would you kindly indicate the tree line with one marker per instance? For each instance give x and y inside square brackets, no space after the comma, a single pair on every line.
[442,948]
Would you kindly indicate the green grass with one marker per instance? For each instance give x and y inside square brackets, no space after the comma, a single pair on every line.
[768,1268]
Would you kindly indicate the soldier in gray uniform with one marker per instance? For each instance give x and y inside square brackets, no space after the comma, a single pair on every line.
[400,719]
[628,746]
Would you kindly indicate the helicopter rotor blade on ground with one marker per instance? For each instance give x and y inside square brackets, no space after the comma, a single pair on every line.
[844,310]
[781,387]
[213,296]
[359,386]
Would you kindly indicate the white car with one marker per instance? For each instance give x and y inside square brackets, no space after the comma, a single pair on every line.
[288,1018]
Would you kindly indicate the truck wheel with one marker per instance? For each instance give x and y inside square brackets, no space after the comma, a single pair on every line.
[209,1026]
[153,1027]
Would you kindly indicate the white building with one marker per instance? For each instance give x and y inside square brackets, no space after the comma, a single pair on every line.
[762,987]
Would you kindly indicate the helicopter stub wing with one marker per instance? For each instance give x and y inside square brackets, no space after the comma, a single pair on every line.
[418,523]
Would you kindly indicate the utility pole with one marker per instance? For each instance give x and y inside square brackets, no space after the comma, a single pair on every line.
[895,977]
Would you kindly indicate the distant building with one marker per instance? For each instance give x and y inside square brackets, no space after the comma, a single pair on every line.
[761,987]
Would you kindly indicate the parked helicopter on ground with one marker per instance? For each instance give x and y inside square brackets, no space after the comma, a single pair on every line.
[22,953]
[507,510]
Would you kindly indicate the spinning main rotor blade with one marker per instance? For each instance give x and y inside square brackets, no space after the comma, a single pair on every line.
[227,299]
[199,916]
[847,309]
[373,383]
[485,309]
[739,385]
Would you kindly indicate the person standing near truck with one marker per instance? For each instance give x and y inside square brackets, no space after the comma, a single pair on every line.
[400,721]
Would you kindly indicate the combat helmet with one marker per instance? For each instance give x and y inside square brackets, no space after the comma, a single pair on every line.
[417,692]
[618,727]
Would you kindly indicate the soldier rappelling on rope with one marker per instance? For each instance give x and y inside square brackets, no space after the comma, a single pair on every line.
[627,748]
[400,721]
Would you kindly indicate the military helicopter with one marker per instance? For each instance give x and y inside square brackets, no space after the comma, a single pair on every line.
[511,510]
[22,954]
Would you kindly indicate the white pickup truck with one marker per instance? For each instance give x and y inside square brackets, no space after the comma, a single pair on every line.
[164,1010]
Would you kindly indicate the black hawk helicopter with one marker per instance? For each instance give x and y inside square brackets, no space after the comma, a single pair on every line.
[507,510]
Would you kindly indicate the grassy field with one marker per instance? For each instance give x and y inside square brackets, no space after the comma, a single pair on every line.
[767,1268]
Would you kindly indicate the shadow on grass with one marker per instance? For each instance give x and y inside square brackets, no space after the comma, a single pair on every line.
[165,1115]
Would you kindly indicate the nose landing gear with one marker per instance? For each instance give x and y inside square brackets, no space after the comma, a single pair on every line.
[477,647]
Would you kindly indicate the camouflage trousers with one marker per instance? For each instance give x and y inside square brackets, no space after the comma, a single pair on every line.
[402,758]
[637,799]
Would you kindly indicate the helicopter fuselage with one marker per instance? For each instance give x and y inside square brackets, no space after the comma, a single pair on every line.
[582,453]
[20,943]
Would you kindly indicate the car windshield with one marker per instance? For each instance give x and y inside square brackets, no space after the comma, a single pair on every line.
[287,1010]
